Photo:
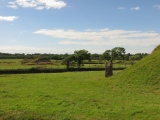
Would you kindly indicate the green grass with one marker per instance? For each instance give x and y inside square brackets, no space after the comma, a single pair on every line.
[16,64]
[79,95]
[9,63]
[144,72]
[132,94]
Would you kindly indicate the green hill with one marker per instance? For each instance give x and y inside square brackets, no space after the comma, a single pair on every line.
[146,71]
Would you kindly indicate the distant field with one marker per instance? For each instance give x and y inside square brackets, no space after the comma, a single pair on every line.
[16,64]
[75,96]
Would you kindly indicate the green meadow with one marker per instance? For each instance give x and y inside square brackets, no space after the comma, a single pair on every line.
[132,94]
[72,96]
[57,64]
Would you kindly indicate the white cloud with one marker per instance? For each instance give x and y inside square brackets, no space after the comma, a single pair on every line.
[135,8]
[8,18]
[37,4]
[157,6]
[104,37]
[12,5]
[40,8]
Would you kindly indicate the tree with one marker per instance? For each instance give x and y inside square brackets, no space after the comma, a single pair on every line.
[81,55]
[126,57]
[118,52]
[95,56]
[138,56]
[68,59]
[115,53]
[106,55]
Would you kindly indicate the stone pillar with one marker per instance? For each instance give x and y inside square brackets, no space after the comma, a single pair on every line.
[108,69]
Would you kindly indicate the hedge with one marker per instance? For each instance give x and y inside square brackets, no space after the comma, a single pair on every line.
[50,70]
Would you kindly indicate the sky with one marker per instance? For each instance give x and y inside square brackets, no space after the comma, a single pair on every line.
[63,26]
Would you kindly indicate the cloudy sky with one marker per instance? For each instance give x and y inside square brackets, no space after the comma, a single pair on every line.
[63,26]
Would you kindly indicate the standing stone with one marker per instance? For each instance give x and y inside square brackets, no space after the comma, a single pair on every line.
[108,70]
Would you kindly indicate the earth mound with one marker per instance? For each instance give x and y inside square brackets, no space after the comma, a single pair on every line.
[146,71]
[38,60]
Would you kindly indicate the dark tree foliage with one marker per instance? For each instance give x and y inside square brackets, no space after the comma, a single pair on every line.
[138,56]
[31,56]
[113,54]
[95,56]
[68,59]
[81,55]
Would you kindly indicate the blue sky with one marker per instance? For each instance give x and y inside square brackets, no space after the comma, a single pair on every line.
[63,26]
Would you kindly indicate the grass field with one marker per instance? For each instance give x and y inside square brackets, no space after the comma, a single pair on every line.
[55,64]
[132,94]
[73,96]
[16,64]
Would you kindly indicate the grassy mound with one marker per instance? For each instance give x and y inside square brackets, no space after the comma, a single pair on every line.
[146,71]
[38,60]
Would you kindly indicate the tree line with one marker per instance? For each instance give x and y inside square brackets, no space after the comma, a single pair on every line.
[95,56]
